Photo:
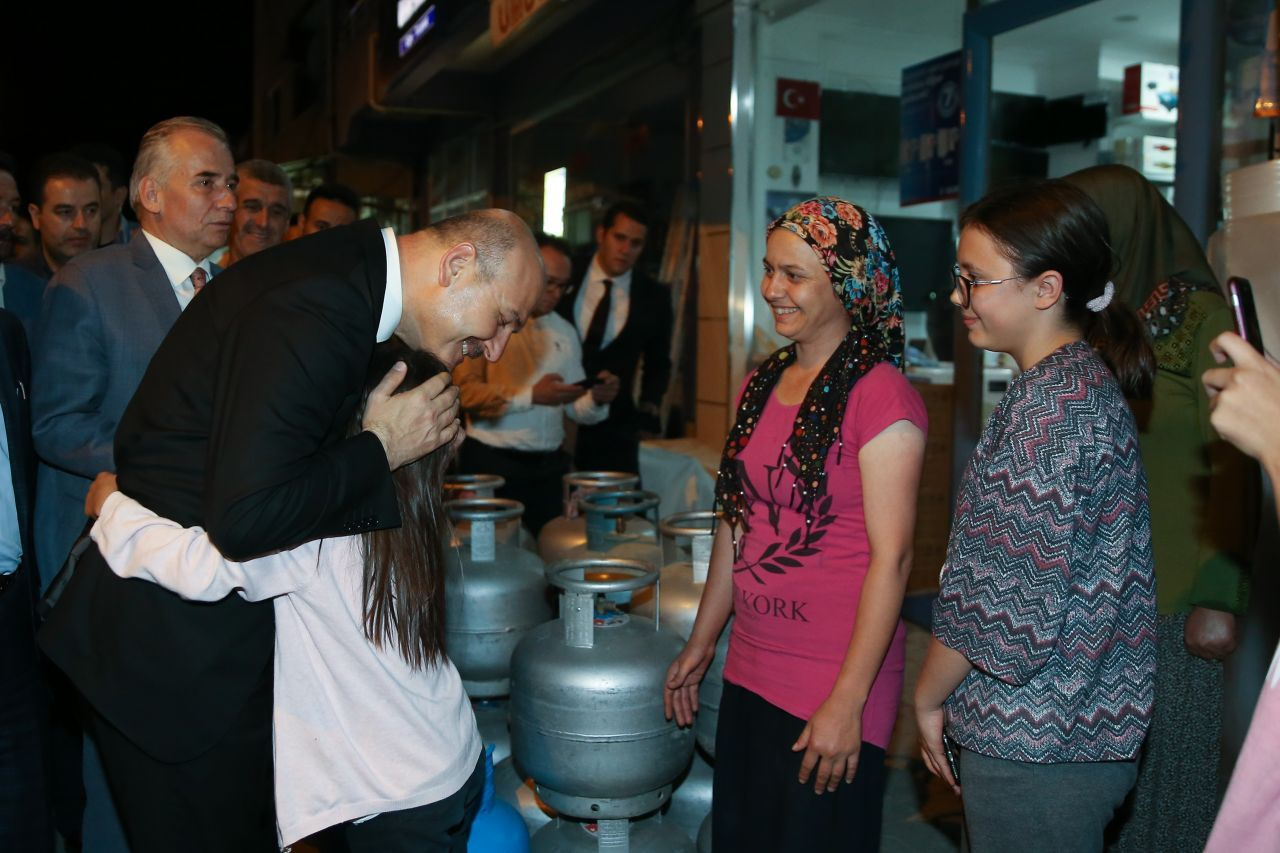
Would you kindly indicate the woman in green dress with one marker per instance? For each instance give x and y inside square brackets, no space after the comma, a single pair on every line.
[1203,495]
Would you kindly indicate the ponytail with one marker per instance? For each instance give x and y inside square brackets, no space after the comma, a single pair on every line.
[1117,335]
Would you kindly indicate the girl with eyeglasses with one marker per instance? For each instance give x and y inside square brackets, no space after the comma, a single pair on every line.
[1042,660]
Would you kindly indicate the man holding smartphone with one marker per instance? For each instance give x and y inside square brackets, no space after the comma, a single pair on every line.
[515,407]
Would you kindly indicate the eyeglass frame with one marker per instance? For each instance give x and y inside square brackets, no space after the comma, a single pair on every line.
[961,282]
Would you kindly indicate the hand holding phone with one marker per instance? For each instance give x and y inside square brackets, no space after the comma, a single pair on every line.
[589,382]
[948,747]
[1244,312]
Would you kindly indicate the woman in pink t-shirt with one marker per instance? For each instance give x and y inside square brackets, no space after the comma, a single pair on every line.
[813,573]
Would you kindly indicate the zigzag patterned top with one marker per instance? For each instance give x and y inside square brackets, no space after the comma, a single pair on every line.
[1048,588]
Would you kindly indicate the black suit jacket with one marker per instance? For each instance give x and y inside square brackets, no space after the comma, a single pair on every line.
[646,336]
[239,426]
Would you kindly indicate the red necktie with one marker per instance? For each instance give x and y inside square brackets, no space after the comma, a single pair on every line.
[198,278]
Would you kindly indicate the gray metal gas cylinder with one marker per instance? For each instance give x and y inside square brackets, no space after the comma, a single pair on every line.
[686,542]
[587,721]
[494,595]
[617,529]
[687,536]
[691,797]
[463,486]
[686,548]
[561,535]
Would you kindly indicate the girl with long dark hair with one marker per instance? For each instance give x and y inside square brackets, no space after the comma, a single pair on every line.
[1043,652]
[372,727]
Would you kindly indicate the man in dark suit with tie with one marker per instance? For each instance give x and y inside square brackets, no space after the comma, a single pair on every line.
[625,320]
[240,426]
[25,820]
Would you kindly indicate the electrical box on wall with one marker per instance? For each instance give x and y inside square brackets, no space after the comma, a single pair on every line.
[1151,90]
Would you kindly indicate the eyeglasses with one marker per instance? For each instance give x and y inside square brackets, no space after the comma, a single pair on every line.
[965,285]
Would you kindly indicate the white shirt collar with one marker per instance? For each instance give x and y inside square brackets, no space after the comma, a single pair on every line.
[597,273]
[177,263]
[393,301]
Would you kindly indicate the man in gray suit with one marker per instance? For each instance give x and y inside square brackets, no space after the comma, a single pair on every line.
[105,313]
[103,316]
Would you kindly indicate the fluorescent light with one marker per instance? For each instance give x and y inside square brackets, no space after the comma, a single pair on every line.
[554,185]
[405,10]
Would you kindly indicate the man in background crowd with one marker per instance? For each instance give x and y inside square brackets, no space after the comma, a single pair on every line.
[328,206]
[113,175]
[65,206]
[625,320]
[263,199]
[515,407]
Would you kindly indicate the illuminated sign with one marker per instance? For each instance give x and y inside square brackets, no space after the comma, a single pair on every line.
[405,10]
[419,29]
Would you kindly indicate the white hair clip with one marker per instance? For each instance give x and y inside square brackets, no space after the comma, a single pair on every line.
[1099,303]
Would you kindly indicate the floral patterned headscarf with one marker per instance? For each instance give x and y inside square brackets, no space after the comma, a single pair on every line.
[855,252]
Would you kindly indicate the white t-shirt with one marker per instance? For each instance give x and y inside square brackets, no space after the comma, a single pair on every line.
[357,731]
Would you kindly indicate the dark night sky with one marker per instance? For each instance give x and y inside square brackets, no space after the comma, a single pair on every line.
[105,72]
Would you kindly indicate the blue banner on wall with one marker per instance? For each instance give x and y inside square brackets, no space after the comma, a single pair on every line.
[929,148]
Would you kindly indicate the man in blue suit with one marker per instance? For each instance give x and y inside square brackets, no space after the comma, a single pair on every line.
[106,312]
[103,317]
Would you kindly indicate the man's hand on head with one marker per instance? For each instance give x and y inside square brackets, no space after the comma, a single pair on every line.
[412,424]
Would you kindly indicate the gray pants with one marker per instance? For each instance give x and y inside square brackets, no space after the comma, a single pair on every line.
[1022,807]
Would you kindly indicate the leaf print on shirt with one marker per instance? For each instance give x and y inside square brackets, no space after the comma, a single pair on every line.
[779,556]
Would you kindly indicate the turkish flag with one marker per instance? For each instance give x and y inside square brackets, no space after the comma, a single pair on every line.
[799,99]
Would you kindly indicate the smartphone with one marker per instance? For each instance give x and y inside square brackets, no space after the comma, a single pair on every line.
[949,749]
[589,382]
[1240,295]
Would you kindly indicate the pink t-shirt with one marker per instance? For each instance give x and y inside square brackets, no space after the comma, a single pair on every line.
[1249,819]
[795,601]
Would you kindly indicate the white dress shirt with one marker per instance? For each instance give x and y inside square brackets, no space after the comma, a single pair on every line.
[393,300]
[357,731]
[590,294]
[497,397]
[178,266]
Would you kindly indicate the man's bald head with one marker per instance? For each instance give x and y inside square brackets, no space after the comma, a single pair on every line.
[470,281]
[496,233]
